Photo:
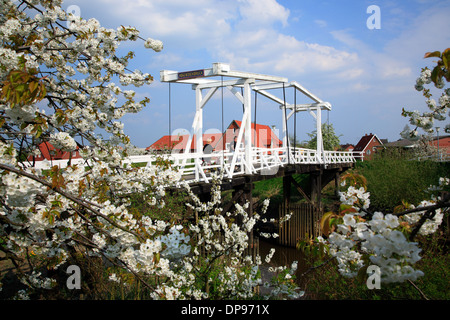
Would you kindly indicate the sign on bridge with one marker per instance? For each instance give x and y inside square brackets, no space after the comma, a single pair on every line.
[191,74]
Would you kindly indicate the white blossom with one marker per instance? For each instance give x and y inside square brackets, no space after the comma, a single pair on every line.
[155,45]
[379,238]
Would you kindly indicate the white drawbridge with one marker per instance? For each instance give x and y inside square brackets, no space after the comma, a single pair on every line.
[247,158]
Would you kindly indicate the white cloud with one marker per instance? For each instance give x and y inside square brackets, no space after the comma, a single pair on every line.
[321,23]
[183,20]
[302,57]
[350,74]
[399,60]
[244,33]
[166,60]
[263,12]
[389,71]
[373,62]
[359,86]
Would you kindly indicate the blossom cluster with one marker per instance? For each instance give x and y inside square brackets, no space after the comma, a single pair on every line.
[387,248]
[155,45]
[176,242]
[437,109]
[355,196]
[63,141]
[424,78]
[430,226]
[379,237]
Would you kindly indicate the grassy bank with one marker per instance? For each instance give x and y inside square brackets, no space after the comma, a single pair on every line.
[391,181]
[325,283]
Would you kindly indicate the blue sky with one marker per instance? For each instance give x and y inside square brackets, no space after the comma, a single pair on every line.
[368,76]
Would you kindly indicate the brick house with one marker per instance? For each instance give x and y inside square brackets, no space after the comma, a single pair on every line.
[347,147]
[444,146]
[367,147]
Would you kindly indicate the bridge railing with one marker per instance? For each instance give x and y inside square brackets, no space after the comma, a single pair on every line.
[199,166]
[359,155]
[265,161]
[304,156]
[338,157]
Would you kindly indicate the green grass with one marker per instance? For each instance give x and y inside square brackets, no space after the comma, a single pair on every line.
[391,180]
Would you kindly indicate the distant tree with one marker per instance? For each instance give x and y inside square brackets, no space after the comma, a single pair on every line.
[330,139]
[423,146]
[294,141]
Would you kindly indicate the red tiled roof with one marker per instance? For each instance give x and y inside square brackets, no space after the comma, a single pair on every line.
[261,139]
[365,140]
[180,142]
[49,152]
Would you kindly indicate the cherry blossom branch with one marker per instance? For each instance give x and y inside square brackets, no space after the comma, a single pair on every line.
[86,204]
[444,203]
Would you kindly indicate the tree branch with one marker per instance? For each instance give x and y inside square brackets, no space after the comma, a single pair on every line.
[444,203]
[81,202]
[417,288]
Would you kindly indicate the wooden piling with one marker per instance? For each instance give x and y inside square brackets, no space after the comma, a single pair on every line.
[302,225]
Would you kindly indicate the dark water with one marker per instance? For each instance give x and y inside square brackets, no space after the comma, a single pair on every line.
[283,256]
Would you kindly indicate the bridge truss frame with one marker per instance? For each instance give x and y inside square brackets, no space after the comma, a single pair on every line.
[247,159]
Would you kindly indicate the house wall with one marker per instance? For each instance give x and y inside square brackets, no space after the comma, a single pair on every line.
[444,145]
[371,149]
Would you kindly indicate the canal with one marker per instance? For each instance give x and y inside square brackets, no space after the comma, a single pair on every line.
[283,256]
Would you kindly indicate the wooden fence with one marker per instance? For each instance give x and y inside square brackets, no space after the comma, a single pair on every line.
[303,224]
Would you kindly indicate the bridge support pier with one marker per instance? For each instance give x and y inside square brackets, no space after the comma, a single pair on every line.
[312,195]
[316,188]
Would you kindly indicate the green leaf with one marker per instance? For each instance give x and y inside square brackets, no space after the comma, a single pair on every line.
[446,58]
[38,130]
[433,54]
[435,75]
